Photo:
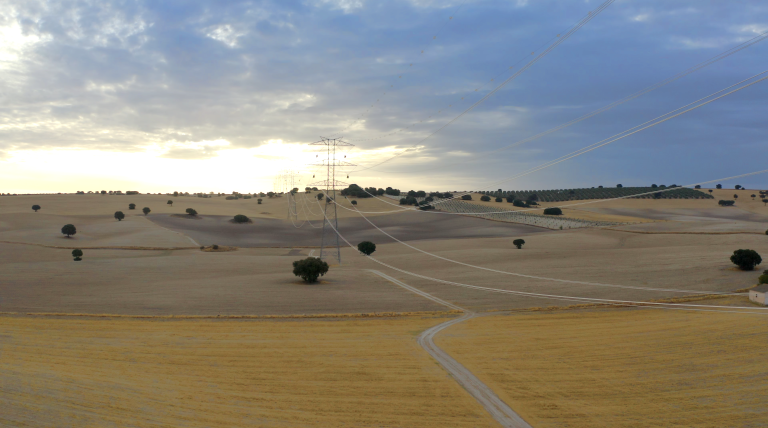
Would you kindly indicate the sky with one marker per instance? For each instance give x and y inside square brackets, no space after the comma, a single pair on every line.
[204,96]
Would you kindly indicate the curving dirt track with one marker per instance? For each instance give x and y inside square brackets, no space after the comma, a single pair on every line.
[480,391]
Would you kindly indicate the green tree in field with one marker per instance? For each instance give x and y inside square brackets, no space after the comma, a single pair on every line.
[175,193]
[35,207]
[119,215]
[354,202]
[310,269]
[319,196]
[77,254]
[518,243]
[719,186]
[131,206]
[366,247]
[170,202]
[746,259]
[485,198]
[258,201]
[146,210]
[765,202]
[69,230]
[553,211]
[191,211]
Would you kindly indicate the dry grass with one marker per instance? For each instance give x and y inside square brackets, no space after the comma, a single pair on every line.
[219,249]
[620,367]
[195,373]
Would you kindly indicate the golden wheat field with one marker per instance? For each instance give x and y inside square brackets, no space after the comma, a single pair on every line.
[96,372]
[620,367]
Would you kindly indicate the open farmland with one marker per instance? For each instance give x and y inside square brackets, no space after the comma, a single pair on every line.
[620,367]
[208,373]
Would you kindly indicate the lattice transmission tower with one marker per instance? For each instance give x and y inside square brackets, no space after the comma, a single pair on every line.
[329,244]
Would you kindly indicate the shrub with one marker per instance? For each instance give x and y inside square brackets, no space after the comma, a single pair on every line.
[354,202]
[191,211]
[146,210]
[241,219]
[366,247]
[170,202]
[746,259]
[131,206]
[498,199]
[403,201]
[310,269]
[229,198]
[319,196]
[247,197]
[518,243]
[519,203]
[553,211]
[35,207]
[765,201]
[119,215]
[735,196]
[69,230]
[726,203]
[202,247]
[77,254]
[485,198]
[719,186]
[737,187]
[466,197]
[215,246]
[762,279]
[259,201]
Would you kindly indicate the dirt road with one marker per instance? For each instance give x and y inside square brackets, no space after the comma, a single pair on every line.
[484,395]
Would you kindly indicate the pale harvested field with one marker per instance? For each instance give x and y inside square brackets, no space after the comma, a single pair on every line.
[620,368]
[191,373]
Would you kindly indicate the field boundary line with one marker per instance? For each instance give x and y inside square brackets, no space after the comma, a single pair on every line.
[484,395]
[233,317]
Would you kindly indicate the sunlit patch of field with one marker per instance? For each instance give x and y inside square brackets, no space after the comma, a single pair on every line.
[195,373]
[621,367]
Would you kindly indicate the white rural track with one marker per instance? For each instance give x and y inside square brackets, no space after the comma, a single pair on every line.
[480,391]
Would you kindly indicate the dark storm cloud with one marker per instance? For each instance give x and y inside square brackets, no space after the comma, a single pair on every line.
[126,75]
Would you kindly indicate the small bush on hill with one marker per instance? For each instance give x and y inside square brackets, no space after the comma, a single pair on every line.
[77,254]
[310,269]
[119,215]
[354,202]
[518,243]
[35,207]
[170,202]
[366,247]
[69,230]
[498,199]
[519,203]
[146,210]
[229,198]
[723,203]
[241,219]
[553,211]
[259,201]
[746,259]
[485,198]
[131,206]
[191,211]
[319,196]
[466,197]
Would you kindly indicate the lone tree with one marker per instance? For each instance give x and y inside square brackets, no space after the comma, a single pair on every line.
[466,197]
[146,210]
[241,219]
[746,259]
[753,197]
[35,207]
[69,230]
[735,196]
[518,243]
[170,202]
[191,211]
[119,215]
[719,186]
[485,198]
[710,190]
[310,269]
[553,211]
[366,247]
[319,196]
[354,202]
[738,187]
[131,206]
[77,254]
[765,202]
[259,201]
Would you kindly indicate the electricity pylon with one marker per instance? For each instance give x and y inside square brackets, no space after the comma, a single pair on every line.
[329,244]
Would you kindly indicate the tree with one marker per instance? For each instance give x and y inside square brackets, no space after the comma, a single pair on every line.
[259,201]
[146,210]
[735,196]
[310,269]
[466,197]
[69,230]
[366,247]
[77,254]
[654,186]
[724,203]
[619,186]
[191,211]
[698,186]
[710,190]
[119,215]
[753,197]
[485,198]
[719,186]
[498,199]
[354,202]
[746,259]
[319,196]
[131,206]
[765,202]
[175,193]
[737,187]
[518,243]
[35,207]
[170,202]
[553,211]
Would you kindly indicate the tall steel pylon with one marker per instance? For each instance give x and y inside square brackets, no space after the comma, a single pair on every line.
[329,244]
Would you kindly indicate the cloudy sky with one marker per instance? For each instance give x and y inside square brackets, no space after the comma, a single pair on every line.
[220,96]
